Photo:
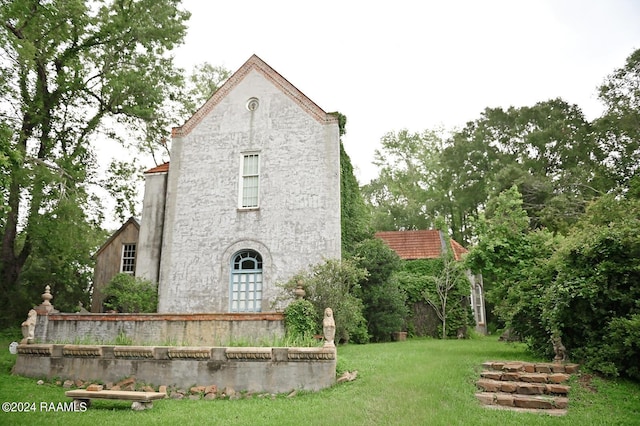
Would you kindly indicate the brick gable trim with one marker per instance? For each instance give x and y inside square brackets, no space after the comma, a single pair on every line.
[257,64]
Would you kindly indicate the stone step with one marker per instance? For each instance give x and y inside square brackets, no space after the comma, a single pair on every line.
[533,402]
[523,388]
[523,376]
[531,367]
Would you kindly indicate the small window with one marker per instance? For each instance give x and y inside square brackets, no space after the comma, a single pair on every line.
[128,264]
[250,179]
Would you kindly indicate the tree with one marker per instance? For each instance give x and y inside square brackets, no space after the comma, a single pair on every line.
[618,130]
[513,260]
[384,300]
[592,301]
[419,279]
[450,282]
[547,150]
[404,196]
[70,70]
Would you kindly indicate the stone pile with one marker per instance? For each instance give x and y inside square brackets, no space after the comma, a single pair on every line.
[195,392]
[526,386]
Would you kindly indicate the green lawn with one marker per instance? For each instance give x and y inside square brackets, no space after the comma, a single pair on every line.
[417,382]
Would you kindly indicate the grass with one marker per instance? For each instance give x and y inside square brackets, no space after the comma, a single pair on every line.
[401,383]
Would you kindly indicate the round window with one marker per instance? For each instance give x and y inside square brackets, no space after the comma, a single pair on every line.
[252,104]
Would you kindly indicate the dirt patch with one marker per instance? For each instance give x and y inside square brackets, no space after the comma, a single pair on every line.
[585,382]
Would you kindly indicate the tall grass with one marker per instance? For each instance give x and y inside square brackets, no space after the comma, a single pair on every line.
[417,382]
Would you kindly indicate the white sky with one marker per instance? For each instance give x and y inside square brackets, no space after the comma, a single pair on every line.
[389,65]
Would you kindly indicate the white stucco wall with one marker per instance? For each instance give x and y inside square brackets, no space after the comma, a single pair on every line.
[151,226]
[298,221]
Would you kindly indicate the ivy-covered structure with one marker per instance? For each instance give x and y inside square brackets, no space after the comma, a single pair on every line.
[433,244]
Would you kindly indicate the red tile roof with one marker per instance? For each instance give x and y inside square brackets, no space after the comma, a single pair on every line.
[162,168]
[424,244]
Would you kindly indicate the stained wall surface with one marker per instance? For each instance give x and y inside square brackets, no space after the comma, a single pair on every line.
[297,221]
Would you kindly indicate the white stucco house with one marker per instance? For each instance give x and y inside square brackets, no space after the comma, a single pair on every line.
[250,197]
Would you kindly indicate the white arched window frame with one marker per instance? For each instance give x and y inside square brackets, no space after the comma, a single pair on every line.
[246,282]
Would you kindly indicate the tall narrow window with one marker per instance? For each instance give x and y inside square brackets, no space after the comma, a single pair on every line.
[128,263]
[250,176]
[246,282]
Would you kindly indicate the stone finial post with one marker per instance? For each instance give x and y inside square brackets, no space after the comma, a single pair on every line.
[47,296]
[329,328]
[299,291]
[46,307]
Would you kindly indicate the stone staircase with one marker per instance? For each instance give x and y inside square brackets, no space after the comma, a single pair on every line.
[526,386]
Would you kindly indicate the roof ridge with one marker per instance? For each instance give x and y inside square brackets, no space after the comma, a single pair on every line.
[254,63]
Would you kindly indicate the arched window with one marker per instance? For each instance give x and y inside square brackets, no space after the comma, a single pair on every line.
[246,282]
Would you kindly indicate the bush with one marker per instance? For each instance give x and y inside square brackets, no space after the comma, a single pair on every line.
[299,320]
[129,294]
[384,301]
[333,284]
[592,302]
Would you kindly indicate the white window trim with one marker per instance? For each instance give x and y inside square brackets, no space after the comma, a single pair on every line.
[239,300]
[241,177]
[122,258]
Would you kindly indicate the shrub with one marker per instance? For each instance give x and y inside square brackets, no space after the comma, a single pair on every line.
[126,293]
[384,301]
[299,320]
[333,284]
[593,300]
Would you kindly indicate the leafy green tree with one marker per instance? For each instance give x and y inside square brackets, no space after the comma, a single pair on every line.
[419,280]
[618,130]
[593,300]
[129,294]
[71,70]
[444,291]
[384,300]
[513,261]
[547,150]
[334,284]
[404,196]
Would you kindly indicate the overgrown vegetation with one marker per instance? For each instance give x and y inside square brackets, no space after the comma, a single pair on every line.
[448,293]
[354,214]
[420,381]
[300,320]
[128,294]
[419,279]
[583,287]
[548,200]
[383,298]
[333,284]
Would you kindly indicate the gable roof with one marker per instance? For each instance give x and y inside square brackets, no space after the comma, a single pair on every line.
[257,64]
[132,221]
[422,244]
[162,168]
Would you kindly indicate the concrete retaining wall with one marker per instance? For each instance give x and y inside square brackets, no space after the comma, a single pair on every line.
[160,329]
[273,370]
